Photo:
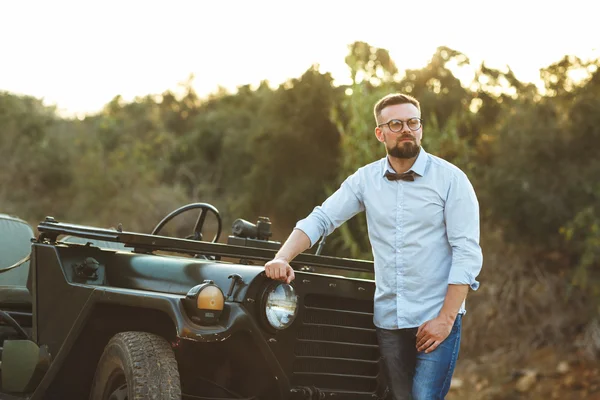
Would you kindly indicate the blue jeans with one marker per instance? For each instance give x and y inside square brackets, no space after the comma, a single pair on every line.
[413,375]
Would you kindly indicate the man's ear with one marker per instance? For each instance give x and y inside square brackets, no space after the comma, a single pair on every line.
[379,134]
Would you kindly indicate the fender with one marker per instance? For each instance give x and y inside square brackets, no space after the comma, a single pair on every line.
[77,302]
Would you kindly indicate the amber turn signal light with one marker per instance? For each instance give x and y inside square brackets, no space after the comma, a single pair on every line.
[204,303]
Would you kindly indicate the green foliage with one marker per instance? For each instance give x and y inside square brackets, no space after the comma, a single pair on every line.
[583,233]
[543,168]
[356,123]
[440,93]
[295,146]
[444,104]
[369,64]
[531,155]
[562,78]
[31,165]
[212,158]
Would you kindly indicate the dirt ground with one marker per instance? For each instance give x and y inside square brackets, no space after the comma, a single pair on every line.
[528,333]
[546,374]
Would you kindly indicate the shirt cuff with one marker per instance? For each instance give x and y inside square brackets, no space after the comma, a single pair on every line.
[462,277]
[310,230]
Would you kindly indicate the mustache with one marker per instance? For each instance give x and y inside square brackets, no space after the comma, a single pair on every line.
[409,137]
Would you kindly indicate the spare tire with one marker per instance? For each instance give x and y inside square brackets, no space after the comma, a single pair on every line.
[135,366]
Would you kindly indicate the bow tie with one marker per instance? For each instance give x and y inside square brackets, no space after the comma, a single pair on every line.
[406,176]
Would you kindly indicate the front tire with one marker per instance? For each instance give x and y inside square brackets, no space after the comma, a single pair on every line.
[136,366]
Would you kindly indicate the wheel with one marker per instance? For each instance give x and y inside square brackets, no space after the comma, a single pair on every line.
[136,366]
[197,234]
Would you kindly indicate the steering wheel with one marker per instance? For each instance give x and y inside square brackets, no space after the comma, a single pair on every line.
[197,235]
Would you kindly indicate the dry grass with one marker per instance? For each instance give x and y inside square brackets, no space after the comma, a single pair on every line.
[522,317]
[520,306]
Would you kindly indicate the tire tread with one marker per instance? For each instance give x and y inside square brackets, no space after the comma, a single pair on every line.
[155,374]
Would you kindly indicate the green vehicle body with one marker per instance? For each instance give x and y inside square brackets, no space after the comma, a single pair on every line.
[83,285]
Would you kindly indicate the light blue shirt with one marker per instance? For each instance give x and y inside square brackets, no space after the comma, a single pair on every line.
[424,235]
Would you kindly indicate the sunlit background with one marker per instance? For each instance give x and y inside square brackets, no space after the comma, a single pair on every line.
[79,55]
[530,150]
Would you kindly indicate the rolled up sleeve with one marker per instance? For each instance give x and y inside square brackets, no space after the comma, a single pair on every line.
[461,215]
[337,209]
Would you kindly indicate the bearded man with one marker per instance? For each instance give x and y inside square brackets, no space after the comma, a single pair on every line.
[423,225]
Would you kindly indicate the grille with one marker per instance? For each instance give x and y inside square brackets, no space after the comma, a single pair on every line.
[336,347]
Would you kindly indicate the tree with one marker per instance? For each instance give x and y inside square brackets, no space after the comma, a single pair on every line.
[370,64]
[294,150]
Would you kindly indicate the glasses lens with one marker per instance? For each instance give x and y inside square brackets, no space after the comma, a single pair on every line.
[414,124]
[395,125]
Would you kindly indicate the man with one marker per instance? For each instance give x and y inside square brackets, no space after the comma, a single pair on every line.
[423,223]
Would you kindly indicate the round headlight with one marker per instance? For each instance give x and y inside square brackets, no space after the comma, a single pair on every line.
[281,306]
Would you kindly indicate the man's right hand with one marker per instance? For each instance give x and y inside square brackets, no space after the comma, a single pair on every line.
[279,269]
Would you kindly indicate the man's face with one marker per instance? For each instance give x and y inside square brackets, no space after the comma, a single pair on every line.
[405,143]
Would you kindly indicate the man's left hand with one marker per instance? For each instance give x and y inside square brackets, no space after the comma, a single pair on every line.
[433,332]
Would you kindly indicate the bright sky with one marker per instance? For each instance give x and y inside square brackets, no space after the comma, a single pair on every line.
[79,54]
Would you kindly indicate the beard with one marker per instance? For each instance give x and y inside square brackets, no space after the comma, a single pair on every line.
[404,149]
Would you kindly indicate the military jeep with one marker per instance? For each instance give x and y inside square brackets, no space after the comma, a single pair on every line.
[107,314]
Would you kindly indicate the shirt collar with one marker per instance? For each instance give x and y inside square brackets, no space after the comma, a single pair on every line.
[418,167]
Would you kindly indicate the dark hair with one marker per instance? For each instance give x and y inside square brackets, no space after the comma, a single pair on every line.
[393,99]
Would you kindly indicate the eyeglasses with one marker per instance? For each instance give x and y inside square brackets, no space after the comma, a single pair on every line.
[397,125]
